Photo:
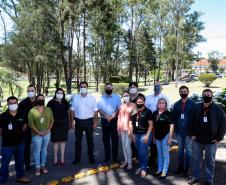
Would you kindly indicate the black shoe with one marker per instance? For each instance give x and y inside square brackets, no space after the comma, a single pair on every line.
[92,161]
[157,173]
[209,183]
[76,161]
[106,160]
[187,172]
[163,175]
[179,170]
[192,181]
[115,161]
[27,168]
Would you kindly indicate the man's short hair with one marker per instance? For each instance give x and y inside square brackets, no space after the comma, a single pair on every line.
[133,83]
[183,87]
[84,82]
[108,83]
[31,85]
[207,90]
[12,98]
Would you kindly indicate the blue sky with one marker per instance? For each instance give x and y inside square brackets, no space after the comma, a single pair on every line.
[215,25]
[214,16]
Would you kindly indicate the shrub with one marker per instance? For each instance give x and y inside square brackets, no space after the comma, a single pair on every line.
[114,79]
[125,79]
[118,88]
[207,78]
[220,98]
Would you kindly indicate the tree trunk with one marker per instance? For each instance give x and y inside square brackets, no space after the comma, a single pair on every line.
[160,56]
[84,42]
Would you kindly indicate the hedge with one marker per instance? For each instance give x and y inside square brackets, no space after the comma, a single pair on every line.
[118,88]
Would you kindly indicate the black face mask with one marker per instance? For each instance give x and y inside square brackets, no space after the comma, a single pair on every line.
[40,102]
[140,106]
[108,92]
[183,95]
[207,99]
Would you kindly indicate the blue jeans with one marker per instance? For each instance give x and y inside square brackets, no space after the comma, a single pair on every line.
[163,154]
[142,150]
[184,142]
[210,152]
[40,145]
[7,153]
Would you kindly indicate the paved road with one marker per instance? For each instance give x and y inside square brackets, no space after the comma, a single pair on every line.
[112,177]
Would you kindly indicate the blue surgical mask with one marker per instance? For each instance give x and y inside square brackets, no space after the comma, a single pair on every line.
[157,88]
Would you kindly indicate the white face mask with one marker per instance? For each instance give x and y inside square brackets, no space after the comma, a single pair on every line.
[59,96]
[13,107]
[133,91]
[125,99]
[31,94]
[83,90]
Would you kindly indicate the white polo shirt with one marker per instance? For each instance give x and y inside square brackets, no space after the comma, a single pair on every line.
[152,101]
[84,106]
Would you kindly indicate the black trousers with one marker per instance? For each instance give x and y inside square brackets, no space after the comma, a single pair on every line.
[110,138]
[81,126]
[27,146]
[154,154]
[134,150]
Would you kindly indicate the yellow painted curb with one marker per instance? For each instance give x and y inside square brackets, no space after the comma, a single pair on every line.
[114,166]
[53,182]
[67,179]
[174,148]
[91,172]
[79,175]
[103,168]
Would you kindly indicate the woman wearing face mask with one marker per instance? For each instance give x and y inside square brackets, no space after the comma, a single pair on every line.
[40,120]
[125,111]
[59,132]
[163,131]
[141,128]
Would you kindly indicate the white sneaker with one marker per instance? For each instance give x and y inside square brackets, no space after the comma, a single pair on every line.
[123,165]
[129,167]
[137,172]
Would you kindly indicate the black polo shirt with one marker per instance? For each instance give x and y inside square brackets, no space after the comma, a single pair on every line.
[162,124]
[24,107]
[140,121]
[12,129]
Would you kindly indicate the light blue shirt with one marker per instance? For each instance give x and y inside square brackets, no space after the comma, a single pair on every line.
[109,103]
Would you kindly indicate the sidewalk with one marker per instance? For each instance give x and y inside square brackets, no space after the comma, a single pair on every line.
[112,177]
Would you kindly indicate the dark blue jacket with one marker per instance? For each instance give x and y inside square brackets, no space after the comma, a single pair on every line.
[184,126]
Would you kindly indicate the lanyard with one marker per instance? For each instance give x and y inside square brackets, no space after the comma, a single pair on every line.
[139,113]
[183,105]
[206,109]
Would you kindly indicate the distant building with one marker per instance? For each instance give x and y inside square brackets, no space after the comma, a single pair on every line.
[202,65]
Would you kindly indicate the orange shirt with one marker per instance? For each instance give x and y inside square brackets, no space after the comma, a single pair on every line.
[125,112]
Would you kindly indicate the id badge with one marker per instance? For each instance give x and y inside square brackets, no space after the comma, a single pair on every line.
[205,120]
[10,126]
[182,116]
[136,123]
[42,120]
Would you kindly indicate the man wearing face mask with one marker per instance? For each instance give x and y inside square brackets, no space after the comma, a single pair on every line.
[207,131]
[12,125]
[84,112]
[108,107]
[151,104]
[184,114]
[24,107]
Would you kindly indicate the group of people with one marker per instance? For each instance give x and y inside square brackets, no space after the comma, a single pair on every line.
[141,122]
